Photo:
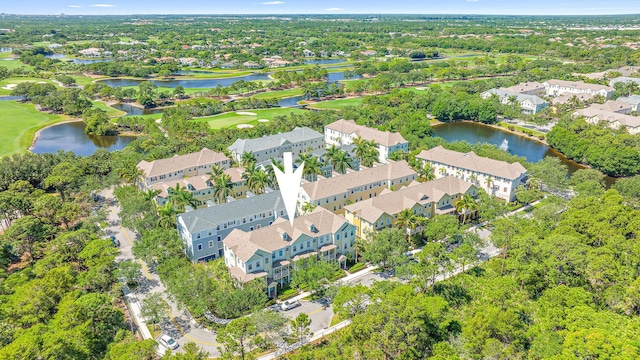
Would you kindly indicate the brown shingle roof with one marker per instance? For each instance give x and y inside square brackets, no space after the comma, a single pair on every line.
[418,193]
[384,138]
[270,238]
[342,183]
[199,182]
[180,162]
[473,162]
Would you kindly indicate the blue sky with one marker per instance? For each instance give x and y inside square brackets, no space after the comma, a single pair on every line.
[517,7]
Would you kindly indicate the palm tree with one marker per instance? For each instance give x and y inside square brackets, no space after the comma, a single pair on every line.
[129,174]
[473,178]
[215,172]
[258,181]
[308,207]
[371,156]
[247,158]
[425,173]
[249,169]
[466,205]
[151,194]
[272,174]
[489,182]
[311,168]
[181,197]
[167,216]
[406,221]
[365,151]
[222,187]
[330,154]
[341,162]
[443,171]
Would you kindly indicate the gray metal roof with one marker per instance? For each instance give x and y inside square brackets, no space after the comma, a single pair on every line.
[299,134]
[536,100]
[631,100]
[208,218]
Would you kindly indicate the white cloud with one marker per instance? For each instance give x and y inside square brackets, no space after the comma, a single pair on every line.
[333,9]
[272,3]
[74,6]
[102,5]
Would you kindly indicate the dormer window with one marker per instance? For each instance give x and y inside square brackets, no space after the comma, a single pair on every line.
[284,235]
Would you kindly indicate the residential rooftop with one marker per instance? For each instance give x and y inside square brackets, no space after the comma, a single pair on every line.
[473,162]
[195,183]
[384,138]
[299,134]
[280,234]
[579,85]
[342,183]
[208,218]
[180,162]
[393,202]
[526,86]
[609,116]
[504,93]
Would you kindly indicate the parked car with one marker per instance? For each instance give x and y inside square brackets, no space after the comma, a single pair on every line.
[288,305]
[168,342]
[115,241]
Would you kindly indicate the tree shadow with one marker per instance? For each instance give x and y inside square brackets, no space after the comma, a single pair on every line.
[455,294]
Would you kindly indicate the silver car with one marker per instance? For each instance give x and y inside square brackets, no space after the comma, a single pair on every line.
[168,342]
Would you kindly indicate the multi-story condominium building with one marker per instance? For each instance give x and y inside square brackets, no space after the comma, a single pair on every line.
[424,199]
[343,132]
[339,191]
[615,106]
[203,230]
[179,166]
[633,100]
[557,87]
[527,88]
[497,178]
[529,104]
[299,140]
[611,119]
[271,252]
[201,187]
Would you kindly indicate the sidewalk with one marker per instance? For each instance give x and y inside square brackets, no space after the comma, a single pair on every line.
[343,280]
[136,311]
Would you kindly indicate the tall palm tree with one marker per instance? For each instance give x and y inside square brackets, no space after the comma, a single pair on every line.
[489,183]
[249,169]
[222,187]
[151,194]
[311,168]
[443,171]
[308,207]
[129,174]
[215,172]
[181,197]
[167,216]
[406,221]
[330,154]
[425,173]
[365,151]
[371,156]
[258,181]
[466,206]
[272,174]
[247,158]
[473,178]
[341,162]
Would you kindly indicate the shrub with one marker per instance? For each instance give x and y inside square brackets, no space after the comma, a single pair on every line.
[288,294]
[357,267]
[511,127]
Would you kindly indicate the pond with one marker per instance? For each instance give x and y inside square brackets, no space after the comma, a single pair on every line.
[64,57]
[533,151]
[291,101]
[193,83]
[325,61]
[135,110]
[71,137]
[339,76]
[11,97]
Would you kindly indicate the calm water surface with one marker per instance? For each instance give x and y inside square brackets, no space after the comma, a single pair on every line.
[193,84]
[135,110]
[71,137]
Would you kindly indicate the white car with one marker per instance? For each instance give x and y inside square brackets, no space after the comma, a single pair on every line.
[288,305]
[168,341]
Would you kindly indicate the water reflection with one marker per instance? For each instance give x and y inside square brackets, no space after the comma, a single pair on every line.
[71,137]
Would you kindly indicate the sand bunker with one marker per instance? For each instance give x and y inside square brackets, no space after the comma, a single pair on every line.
[10,86]
[158,121]
[246,113]
[421,88]
[244,126]
[42,82]
[263,120]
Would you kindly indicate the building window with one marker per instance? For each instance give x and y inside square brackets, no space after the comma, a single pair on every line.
[198,236]
[294,248]
[280,253]
[199,247]
[210,243]
[250,267]
[219,238]
[273,256]
[337,236]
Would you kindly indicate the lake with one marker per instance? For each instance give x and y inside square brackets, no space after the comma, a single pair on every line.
[71,137]
[135,110]
[325,61]
[193,83]
[291,101]
[533,151]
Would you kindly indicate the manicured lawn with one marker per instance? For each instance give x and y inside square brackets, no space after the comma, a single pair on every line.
[111,112]
[19,122]
[83,80]
[14,64]
[18,80]
[278,94]
[233,118]
[336,104]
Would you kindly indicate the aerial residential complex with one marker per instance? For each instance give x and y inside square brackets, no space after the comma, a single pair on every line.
[614,120]
[529,104]
[497,178]
[426,199]
[272,251]
[337,192]
[180,166]
[297,141]
[344,132]
[559,87]
[203,230]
